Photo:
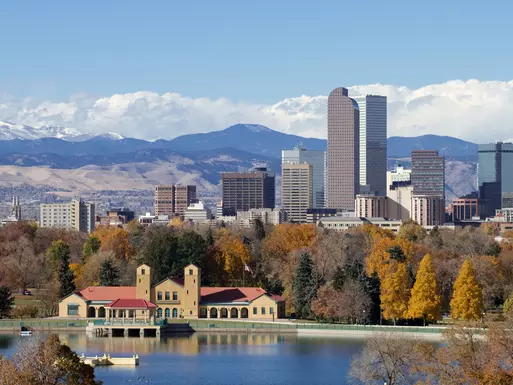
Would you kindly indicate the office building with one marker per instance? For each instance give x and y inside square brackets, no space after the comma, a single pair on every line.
[267,216]
[296,190]
[398,174]
[317,159]
[495,183]
[370,206]
[373,142]
[343,172]
[253,189]
[339,223]
[197,212]
[399,199]
[173,199]
[74,215]
[428,173]
[115,217]
[465,208]
[505,214]
[428,210]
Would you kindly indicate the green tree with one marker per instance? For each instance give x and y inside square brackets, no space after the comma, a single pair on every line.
[259,229]
[209,239]
[109,273]
[304,286]
[91,246]
[6,301]
[397,254]
[425,300]
[467,297]
[59,253]
[159,252]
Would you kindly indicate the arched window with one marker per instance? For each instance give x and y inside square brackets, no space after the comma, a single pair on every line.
[167,312]
[101,312]
[203,312]
[92,312]
[224,312]
[175,312]
[159,312]
[244,312]
[234,313]
[213,312]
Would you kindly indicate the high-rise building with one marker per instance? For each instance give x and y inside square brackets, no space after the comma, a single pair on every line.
[76,215]
[428,173]
[399,200]
[173,199]
[317,159]
[253,189]
[494,177]
[343,173]
[398,174]
[371,206]
[428,210]
[296,190]
[373,142]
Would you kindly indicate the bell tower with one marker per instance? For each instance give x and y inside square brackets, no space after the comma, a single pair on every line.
[143,284]
[192,291]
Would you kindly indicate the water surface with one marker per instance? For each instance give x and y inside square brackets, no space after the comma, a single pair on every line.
[217,358]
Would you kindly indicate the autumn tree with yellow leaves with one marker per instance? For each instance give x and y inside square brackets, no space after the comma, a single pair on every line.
[467,297]
[116,241]
[395,292]
[425,300]
[232,255]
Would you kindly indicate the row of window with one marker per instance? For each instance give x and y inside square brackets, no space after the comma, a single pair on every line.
[167,296]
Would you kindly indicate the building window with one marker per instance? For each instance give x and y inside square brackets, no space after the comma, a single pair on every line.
[167,313]
[159,296]
[271,310]
[143,272]
[190,271]
[72,309]
[175,296]
[167,296]
[255,311]
[263,310]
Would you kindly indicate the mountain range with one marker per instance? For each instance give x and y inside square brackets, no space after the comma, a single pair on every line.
[197,157]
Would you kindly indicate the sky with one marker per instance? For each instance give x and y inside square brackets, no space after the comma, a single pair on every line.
[158,69]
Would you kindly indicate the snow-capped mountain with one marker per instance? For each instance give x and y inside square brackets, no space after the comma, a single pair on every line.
[11,131]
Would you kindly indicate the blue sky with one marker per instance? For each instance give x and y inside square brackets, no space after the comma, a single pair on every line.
[259,51]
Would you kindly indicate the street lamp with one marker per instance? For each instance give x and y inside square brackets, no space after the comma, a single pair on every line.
[364,320]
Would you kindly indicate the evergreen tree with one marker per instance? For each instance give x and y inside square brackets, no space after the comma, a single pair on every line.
[425,300]
[304,286]
[91,246]
[395,293]
[109,273]
[467,295]
[397,254]
[259,229]
[6,301]
[209,239]
[59,253]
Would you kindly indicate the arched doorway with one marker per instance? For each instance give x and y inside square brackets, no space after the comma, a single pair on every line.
[224,312]
[203,312]
[244,312]
[159,312]
[175,313]
[213,313]
[234,313]
[91,312]
[167,313]
[101,312]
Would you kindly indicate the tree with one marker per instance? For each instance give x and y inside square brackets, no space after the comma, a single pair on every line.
[467,298]
[6,301]
[304,286]
[45,363]
[233,253]
[259,229]
[59,253]
[109,273]
[395,293]
[425,300]
[91,246]
[508,304]
[412,231]
[209,239]
[385,357]
[115,240]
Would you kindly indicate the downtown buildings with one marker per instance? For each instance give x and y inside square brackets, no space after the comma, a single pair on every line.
[296,190]
[74,215]
[173,199]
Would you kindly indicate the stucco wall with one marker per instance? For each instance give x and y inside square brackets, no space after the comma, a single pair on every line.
[73,299]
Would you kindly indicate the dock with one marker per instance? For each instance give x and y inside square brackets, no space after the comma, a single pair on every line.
[107,360]
[135,329]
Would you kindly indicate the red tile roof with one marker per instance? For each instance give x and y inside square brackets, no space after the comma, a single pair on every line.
[107,293]
[132,303]
[232,294]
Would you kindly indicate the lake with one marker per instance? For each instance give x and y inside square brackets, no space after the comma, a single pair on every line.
[217,358]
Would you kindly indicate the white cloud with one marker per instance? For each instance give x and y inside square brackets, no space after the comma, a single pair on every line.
[479,111]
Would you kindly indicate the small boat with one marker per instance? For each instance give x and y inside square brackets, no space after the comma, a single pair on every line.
[25,332]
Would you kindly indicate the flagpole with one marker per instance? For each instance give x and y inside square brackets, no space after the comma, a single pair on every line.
[243,271]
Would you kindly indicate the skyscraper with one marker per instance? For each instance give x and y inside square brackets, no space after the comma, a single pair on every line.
[253,189]
[173,199]
[428,173]
[343,176]
[296,190]
[494,177]
[317,159]
[373,142]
